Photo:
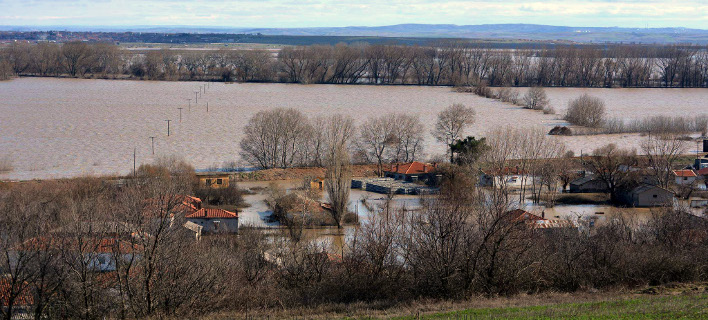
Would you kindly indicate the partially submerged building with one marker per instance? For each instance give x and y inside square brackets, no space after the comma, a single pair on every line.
[648,196]
[588,184]
[214,220]
[412,171]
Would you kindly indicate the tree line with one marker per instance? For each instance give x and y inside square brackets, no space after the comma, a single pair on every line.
[448,63]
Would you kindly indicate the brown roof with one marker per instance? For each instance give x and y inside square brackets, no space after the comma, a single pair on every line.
[414,167]
[25,298]
[522,215]
[685,173]
[94,245]
[703,172]
[505,171]
[212,213]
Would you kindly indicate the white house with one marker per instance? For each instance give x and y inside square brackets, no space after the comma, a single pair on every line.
[509,177]
[685,177]
[215,220]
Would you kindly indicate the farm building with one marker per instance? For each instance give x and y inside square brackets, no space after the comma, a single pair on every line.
[411,172]
[214,180]
[648,196]
[588,184]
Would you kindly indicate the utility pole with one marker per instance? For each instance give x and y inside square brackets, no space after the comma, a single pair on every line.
[207,106]
[152,140]
[196,97]
[168,127]
[190,104]
[180,114]
[134,171]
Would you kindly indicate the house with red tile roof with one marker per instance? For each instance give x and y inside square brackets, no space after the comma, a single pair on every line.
[215,220]
[412,171]
[685,177]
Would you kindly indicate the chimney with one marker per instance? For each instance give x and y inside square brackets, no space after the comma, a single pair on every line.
[397,167]
[424,167]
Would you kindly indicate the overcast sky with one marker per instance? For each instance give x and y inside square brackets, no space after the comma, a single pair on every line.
[322,13]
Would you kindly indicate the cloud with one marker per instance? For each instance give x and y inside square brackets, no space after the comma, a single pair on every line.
[321,13]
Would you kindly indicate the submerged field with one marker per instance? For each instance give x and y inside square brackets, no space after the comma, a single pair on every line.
[51,128]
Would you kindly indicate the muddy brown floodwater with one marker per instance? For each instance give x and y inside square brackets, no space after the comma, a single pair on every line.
[51,128]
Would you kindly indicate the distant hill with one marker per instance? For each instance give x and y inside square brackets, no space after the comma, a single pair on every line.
[485,31]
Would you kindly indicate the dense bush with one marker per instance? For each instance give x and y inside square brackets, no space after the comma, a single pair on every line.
[586,111]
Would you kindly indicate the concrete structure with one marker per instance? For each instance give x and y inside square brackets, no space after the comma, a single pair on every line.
[391,186]
[215,220]
[215,180]
[588,184]
[649,196]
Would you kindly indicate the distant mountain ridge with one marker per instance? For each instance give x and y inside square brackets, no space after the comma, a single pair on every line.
[482,31]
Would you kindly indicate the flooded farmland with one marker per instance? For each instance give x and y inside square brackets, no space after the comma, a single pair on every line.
[51,128]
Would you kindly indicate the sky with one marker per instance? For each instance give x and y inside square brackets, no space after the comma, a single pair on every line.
[322,13]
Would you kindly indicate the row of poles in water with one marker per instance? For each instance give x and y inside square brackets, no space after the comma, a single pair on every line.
[197,96]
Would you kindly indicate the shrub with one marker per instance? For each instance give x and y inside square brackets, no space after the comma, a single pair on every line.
[536,99]
[586,111]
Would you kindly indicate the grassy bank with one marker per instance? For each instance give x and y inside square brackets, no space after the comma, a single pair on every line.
[645,307]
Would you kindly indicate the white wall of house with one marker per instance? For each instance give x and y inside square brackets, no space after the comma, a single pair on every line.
[685,181]
[217,225]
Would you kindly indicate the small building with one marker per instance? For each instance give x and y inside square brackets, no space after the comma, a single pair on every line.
[701,163]
[508,176]
[698,202]
[215,220]
[536,222]
[588,184]
[648,196]
[411,172]
[216,180]
[317,183]
[685,177]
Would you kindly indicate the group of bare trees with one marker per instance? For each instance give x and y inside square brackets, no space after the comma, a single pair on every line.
[447,63]
[86,249]
[283,138]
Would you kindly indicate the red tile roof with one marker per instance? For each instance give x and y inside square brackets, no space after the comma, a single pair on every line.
[521,215]
[685,173]
[25,298]
[212,213]
[703,172]
[414,167]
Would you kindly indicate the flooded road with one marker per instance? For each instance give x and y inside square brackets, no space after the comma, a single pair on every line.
[53,128]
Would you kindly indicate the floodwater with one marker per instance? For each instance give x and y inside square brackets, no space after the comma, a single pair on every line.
[52,128]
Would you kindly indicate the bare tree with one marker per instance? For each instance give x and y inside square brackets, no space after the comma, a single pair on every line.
[586,111]
[663,153]
[339,130]
[376,136]
[536,99]
[274,138]
[612,166]
[452,123]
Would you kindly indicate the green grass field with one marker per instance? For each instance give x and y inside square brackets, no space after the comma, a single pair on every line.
[652,307]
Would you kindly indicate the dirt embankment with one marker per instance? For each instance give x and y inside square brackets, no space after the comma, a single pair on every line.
[299,173]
